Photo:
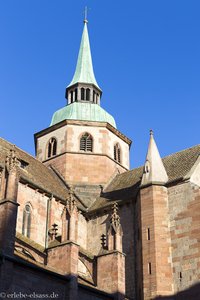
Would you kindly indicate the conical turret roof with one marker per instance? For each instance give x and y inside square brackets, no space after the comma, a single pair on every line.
[154,170]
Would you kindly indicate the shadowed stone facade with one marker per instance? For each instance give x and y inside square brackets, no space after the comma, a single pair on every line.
[76,223]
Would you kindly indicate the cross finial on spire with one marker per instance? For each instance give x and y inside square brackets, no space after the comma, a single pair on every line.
[151,132]
[85,15]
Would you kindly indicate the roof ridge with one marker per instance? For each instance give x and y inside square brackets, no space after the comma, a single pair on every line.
[8,142]
[186,149]
[57,187]
[169,155]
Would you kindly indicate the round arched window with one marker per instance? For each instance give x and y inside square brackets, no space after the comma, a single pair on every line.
[86,142]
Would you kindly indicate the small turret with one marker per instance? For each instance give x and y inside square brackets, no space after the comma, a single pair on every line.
[154,231]
[154,171]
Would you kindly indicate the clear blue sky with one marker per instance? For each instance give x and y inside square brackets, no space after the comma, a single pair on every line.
[146,57]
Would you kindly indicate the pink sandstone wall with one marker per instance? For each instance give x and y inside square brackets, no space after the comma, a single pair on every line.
[184,206]
[38,202]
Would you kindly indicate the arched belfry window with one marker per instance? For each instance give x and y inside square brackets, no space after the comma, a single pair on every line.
[94,97]
[117,153]
[52,147]
[88,94]
[26,223]
[72,96]
[82,94]
[86,142]
[76,94]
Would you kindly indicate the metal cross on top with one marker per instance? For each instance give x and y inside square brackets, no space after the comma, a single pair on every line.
[85,14]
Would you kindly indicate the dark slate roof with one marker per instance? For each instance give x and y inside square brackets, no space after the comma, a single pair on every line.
[180,163]
[125,186]
[35,172]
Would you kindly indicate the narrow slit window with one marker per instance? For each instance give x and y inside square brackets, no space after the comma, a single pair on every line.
[180,276]
[149,268]
[148,234]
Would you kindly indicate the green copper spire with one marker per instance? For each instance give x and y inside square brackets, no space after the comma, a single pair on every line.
[83,94]
[84,69]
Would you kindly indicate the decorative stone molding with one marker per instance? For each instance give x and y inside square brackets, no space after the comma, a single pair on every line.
[115,232]
[12,162]
[1,173]
[70,218]
[53,231]
[115,218]
[12,167]
[71,205]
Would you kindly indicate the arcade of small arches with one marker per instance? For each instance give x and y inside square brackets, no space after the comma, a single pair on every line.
[83,94]
[85,145]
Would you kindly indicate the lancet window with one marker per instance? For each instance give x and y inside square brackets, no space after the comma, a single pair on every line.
[52,147]
[26,223]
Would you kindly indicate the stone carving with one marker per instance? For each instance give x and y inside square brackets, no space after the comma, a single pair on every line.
[53,231]
[115,230]
[11,162]
[1,172]
[115,218]
[71,202]
[103,241]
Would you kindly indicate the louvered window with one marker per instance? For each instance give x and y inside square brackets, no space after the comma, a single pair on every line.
[52,147]
[86,142]
[117,153]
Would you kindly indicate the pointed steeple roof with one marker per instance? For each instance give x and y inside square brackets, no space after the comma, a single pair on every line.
[84,72]
[154,170]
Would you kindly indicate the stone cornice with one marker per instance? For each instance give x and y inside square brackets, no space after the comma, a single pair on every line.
[85,153]
[83,123]
[69,242]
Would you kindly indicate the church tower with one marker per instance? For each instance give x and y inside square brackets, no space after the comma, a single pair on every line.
[82,143]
